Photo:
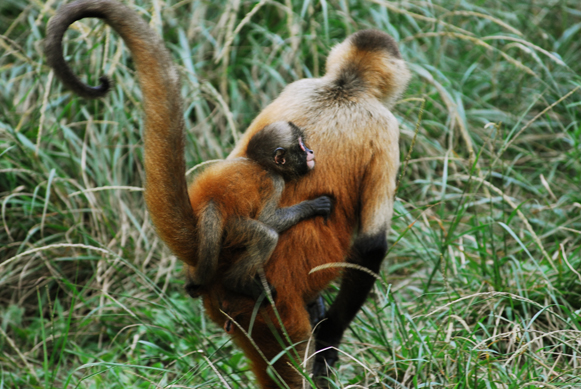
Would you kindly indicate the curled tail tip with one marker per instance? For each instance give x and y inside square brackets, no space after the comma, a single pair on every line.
[370,58]
[102,89]
[73,83]
[53,51]
[94,92]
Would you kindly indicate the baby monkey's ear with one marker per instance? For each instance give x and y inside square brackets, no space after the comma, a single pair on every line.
[279,154]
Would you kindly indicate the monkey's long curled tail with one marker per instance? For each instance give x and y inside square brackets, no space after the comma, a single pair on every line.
[166,188]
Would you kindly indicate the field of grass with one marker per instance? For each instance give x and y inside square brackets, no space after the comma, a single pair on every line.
[482,284]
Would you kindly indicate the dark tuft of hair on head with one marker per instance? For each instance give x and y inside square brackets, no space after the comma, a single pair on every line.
[374,40]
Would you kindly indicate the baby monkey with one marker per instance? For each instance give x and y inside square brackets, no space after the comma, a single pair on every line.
[235,203]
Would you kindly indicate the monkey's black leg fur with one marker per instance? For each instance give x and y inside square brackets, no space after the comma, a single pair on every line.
[367,251]
[285,218]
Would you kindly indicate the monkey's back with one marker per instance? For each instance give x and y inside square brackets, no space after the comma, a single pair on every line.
[346,118]
[237,187]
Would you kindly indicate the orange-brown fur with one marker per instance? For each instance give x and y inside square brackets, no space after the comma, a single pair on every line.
[353,131]
[239,187]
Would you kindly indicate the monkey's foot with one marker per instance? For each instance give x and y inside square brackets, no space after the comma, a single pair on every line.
[327,339]
[324,361]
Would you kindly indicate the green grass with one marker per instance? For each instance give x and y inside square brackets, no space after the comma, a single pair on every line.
[482,284]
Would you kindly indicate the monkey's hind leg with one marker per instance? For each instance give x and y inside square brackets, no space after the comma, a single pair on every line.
[259,241]
[367,251]
[210,230]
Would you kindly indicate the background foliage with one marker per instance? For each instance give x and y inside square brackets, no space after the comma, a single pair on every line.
[482,284]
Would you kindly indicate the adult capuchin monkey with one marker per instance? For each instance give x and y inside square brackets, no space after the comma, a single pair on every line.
[345,115]
[347,119]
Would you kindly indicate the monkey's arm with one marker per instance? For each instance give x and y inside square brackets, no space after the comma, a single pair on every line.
[284,218]
[368,250]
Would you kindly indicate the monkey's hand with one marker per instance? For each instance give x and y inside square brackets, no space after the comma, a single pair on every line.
[322,206]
